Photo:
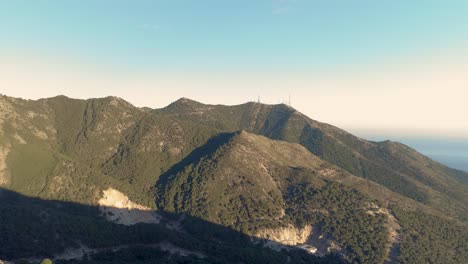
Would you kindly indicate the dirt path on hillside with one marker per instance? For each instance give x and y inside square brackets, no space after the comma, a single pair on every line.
[393,249]
[79,253]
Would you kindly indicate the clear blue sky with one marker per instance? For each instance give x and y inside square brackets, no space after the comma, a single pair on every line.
[233,33]
[232,40]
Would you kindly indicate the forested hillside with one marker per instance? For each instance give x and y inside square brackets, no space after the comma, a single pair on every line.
[104,181]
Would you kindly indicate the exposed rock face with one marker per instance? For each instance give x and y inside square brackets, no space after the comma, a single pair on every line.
[13,115]
[290,236]
[118,208]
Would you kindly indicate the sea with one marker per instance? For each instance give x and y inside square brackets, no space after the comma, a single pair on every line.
[448,151]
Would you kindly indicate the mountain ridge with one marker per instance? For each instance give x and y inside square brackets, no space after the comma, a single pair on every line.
[356,155]
[267,171]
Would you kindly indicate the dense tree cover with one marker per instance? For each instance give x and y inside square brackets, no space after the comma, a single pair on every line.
[431,239]
[343,214]
[31,227]
[84,145]
[147,255]
[38,228]
[73,149]
[390,164]
[134,146]
[220,189]
[345,156]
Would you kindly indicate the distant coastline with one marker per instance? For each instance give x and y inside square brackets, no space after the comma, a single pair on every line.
[456,162]
[450,152]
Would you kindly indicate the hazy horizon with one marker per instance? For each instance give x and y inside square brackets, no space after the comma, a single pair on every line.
[449,150]
[230,180]
[452,152]
[378,68]
[369,133]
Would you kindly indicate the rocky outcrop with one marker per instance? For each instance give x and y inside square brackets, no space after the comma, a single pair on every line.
[118,208]
[289,235]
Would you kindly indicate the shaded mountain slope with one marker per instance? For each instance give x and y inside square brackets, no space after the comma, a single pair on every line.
[390,164]
[256,185]
[253,165]
[90,143]
[284,179]
[135,146]
[34,229]
[278,190]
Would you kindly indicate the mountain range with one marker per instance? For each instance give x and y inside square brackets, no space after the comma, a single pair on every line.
[103,181]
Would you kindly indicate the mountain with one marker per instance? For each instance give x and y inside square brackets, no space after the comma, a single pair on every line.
[34,229]
[250,183]
[391,164]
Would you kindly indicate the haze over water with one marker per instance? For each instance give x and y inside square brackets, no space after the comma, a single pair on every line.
[449,151]
[387,65]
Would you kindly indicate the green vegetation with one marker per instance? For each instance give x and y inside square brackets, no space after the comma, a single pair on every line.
[203,186]
[33,227]
[146,255]
[188,158]
[351,156]
[200,189]
[390,164]
[342,213]
[431,239]
[32,178]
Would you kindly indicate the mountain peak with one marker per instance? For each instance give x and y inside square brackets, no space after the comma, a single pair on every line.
[60,96]
[186,101]
[183,105]
[264,170]
[116,101]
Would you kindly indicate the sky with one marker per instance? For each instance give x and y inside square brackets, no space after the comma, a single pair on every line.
[388,66]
